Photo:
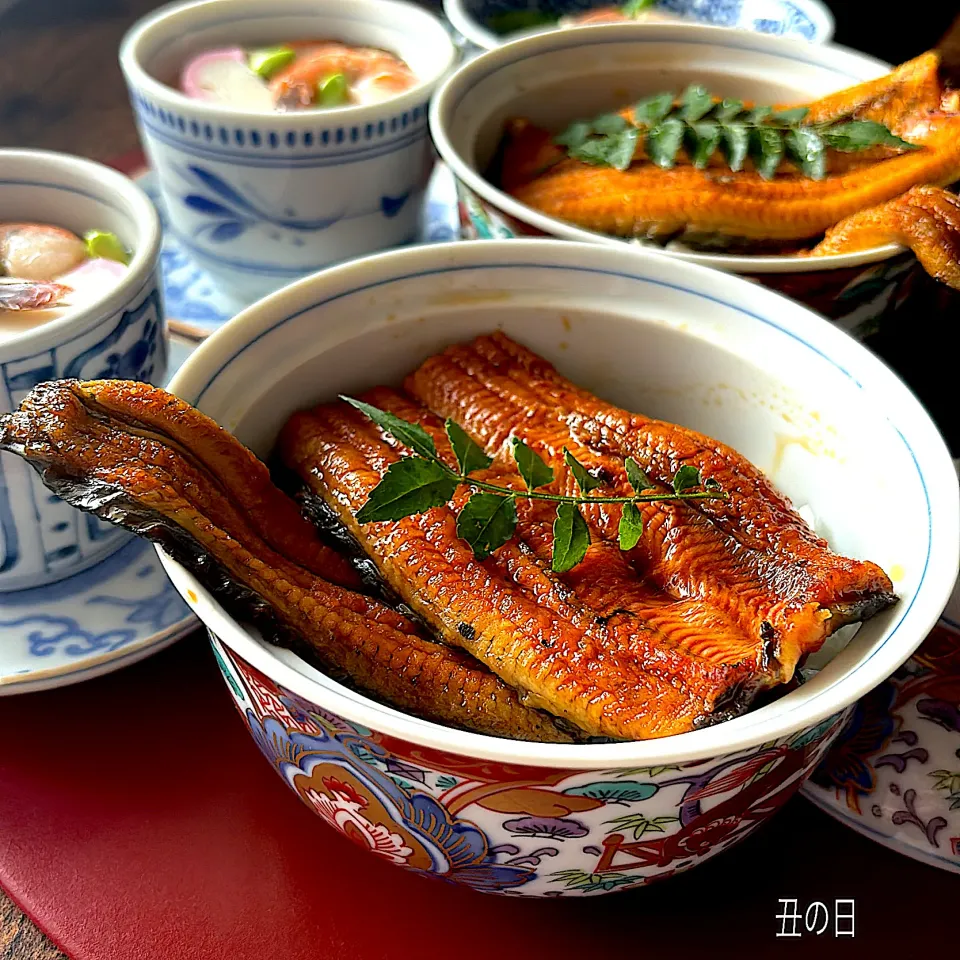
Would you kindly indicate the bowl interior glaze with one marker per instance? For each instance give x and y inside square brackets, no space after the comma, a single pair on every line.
[832,426]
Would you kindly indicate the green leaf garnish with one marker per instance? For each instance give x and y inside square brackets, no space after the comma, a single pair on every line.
[727,110]
[608,123]
[701,141]
[632,8]
[487,521]
[469,456]
[638,479]
[766,150]
[664,141]
[694,103]
[614,151]
[571,537]
[861,134]
[700,126]
[805,147]
[574,135]
[685,478]
[411,435]
[711,483]
[411,485]
[585,481]
[631,526]
[735,141]
[534,471]
[757,115]
[418,482]
[651,110]
[792,116]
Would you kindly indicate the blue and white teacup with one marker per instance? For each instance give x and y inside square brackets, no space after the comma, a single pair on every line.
[122,335]
[260,199]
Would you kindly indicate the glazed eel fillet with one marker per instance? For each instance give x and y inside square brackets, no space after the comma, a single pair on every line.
[603,669]
[869,198]
[731,581]
[717,602]
[139,457]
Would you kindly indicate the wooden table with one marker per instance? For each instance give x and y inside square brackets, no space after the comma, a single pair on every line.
[61,89]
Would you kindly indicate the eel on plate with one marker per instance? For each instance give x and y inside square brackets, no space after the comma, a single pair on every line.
[645,201]
[138,456]
[718,601]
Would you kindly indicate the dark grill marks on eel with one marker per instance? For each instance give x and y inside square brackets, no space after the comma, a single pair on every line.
[612,676]
[752,559]
[139,457]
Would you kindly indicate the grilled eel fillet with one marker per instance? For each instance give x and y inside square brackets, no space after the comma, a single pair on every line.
[142,458]
[774,589]
[647,201]
[606,674]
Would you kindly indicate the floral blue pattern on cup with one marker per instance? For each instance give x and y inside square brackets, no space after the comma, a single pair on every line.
[123,335]
[41,537]
[260,199]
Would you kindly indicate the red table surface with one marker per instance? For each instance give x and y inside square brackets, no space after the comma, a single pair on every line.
[138,821]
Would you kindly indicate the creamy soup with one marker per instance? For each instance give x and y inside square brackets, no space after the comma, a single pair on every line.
[301,75]
[46,271]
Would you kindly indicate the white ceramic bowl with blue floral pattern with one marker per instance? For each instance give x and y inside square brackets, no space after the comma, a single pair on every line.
[260,199]
[807,20]
[122,334]
[833,427]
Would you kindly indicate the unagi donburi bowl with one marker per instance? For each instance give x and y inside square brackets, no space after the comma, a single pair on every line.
[833,427]
[556,77]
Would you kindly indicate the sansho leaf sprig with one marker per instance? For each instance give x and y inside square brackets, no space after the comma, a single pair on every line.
[701,125]
[487,520]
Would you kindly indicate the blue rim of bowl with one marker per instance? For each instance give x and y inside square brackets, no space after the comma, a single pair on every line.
[600,756]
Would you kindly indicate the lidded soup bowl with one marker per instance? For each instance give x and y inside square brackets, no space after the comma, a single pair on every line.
[830,424]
